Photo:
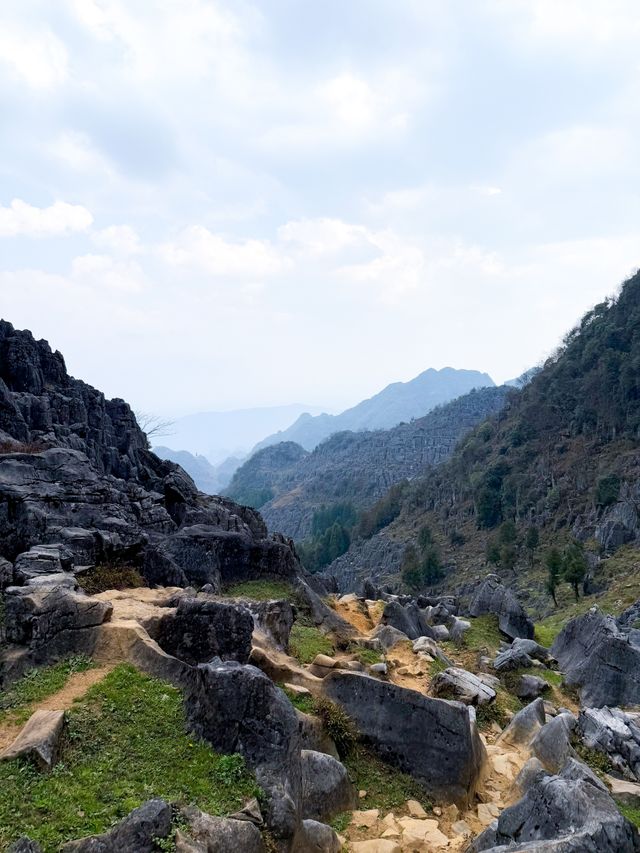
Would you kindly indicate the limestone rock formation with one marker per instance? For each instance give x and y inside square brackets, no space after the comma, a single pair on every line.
[493,597]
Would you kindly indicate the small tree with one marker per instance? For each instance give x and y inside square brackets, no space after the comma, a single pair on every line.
[574,566]
[531,542]
[411,568]
[553,561]
[508,556]
[508,533]
[425,538]
[492,552]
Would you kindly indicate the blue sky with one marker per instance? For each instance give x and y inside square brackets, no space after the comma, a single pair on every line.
[210,205]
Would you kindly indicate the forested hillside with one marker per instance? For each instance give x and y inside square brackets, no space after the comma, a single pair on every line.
[562,459]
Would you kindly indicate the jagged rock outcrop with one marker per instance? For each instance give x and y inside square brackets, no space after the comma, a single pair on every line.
[600,660]
[432,740]
[616,735]
[463,686]
[494,598]
[200,630]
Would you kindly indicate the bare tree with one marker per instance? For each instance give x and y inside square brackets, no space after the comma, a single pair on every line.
[153,426]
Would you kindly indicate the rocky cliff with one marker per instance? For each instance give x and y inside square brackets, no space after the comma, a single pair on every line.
[357,467]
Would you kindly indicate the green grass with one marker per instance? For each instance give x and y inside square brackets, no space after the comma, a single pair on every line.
[125,742]
[483,634]
[260,590]
[306,641]
[498,711]
[102,578]
[303,703]
[386,787]
[367,657]
[630,812]
[37,684]
[546,632]
[436,665]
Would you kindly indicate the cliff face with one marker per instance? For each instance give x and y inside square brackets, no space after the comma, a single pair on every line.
[359,467]
[76,473]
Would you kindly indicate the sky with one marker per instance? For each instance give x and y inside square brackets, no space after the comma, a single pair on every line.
[217,204]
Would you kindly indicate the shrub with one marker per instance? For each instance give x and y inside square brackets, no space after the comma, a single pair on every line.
[107,576]
[338,725]
[607,490]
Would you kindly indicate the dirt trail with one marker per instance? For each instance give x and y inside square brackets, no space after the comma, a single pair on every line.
[76,686]
[446,828]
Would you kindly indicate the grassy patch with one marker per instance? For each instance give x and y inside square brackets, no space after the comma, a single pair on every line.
[102,578]
[260,590]
[546,632]
[483,634]
[386,787]
[367,657]
[499,711]
[436,666]
[630,812]
[37,684]
[125,742]
[593,758]
[304,703]
[306,641]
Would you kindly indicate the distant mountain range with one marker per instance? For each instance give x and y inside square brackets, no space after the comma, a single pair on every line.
[288,484]
[210,479]
[397,403]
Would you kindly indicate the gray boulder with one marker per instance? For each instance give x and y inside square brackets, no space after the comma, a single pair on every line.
[614,734]
[552,744]
[408,619]
[388,636]
[580,772]
[432,740]
[239,709]
[529,687]
[600,660]
[137,832]
[560,815]
[275,618]
[326,787]
[458,628]
[463,686]
[42,560]
[202,629]
[525,724]
[510,659]
[315,837]
[207,834]
[24,845]
[6,573]
[493,597]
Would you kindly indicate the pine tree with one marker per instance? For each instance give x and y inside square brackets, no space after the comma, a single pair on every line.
[553,560]
[574,566]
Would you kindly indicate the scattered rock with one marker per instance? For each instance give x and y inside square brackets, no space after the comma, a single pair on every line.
[552,744]
[39,739]
[223,835]
[615,734]
[408,619]
[137,832]
[455,683]
[525,724]
[493,597]
[24,845]
[622,791]
[366,818]
[326,787]
[530,687]
[314,837]
[322,665]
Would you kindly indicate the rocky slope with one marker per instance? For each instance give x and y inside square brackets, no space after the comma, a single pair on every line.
[564,456]
[398,402]
[356,467]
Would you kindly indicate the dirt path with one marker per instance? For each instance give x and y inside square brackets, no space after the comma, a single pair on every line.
[76,686]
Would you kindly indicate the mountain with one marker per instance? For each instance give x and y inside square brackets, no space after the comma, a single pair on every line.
[290,484]
[563,457]
[398,402]
[219,435]
[201,471]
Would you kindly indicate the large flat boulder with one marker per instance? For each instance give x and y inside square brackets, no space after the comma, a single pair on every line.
[463,686]
[494,598]
[431,739]
[39,739]
[600,660]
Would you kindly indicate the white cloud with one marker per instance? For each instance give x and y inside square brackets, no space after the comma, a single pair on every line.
[59,219]
[37,57]
[322,236]
[121,239]
[201,249]
[103,272]
[76,151]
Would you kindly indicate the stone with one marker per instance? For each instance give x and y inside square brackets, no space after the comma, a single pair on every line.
[407,619]
[322,665]
[137,832]
[366,818]
[237,708]
[432,740]
[388,636]
[202,629]
[494,598]
[599,660]
[42,560]
[224,835]
[530,774]
[314,837]
[622,791]
[461,827]
[578,771]
[39,739]
[6,573]
[313,734]
[429,646]
[552,744]
[378,668]
[529,687]
[275,618]
[440,633]
[524,725]
[326,787]
[297,689]
[415,809]
[616,735]
[463,686]
[458,628]
[560,815]
[511,659]
[377,845]
[24,845]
